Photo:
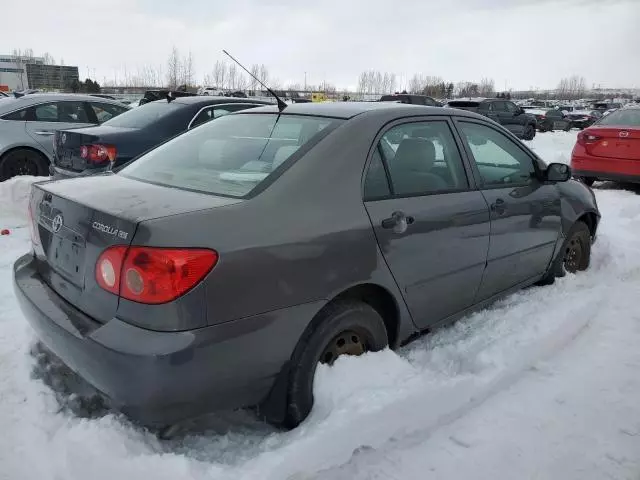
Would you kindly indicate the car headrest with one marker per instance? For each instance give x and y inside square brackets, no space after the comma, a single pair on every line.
[415,154]
[282,154]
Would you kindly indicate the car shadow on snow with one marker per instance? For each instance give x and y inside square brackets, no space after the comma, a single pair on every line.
[630,187]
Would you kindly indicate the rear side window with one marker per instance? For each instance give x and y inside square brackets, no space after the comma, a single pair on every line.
[422,158]
[107,111]
[63,112]
[230,156]
[376,184]
[217,111]
[144,115]
[629,117]
[20,115]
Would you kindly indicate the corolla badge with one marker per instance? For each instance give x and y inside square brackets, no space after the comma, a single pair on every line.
[56,223]
[109,230]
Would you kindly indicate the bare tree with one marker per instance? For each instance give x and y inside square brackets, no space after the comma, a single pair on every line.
[486,88]
[264,74]
[255,71]
[571,88]
[220,74]
[188,70]
[173,68]
[233,76]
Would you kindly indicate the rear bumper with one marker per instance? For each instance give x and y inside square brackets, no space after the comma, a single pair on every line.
[606,176]
[601,168]
[159,378]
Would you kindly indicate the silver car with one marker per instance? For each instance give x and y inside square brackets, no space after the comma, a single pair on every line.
[28,123]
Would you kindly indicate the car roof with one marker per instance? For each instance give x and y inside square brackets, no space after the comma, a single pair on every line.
[209,100]
[346,110]
[10,104]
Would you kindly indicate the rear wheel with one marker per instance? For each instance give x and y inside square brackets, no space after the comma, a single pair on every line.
[22,161]
[567,128]
[529,132]
[342,328]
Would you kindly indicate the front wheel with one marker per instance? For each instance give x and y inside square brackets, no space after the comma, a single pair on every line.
[342,328]
[588,181]
[529,132]
[575,255]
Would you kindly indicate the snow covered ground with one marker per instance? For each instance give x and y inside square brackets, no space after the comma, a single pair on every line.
[544,385]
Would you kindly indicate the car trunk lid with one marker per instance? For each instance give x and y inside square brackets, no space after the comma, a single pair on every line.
[75,221]
[613,142]
[69,145]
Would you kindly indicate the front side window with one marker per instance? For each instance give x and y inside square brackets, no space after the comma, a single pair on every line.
[230,156]
[107,111]
[499,106]
[422,158]
[499,160]
[511,107]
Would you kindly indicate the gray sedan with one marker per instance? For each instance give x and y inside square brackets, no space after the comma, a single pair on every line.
[220,268]
[28,123]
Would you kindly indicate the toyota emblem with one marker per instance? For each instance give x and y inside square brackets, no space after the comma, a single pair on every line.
[623,134]
[56,223]
[64,138]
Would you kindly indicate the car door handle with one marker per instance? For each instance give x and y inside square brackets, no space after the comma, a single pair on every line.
[499,206]
[398,222]
[47,133]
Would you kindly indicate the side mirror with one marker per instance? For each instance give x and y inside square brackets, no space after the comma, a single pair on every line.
[558,172]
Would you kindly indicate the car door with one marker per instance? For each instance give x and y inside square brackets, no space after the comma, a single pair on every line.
[525,211]
[515,118]
[432,226]
[499,109]
[44,119]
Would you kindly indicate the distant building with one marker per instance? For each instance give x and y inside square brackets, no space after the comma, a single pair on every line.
[51,77]
[19,73]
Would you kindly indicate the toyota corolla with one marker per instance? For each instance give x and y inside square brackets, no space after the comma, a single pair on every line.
[222,267]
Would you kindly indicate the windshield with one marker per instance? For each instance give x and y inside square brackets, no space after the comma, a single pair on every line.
[628,117]
[230,156]
[144,115]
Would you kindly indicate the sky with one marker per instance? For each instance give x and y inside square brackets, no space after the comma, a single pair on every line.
[520,44]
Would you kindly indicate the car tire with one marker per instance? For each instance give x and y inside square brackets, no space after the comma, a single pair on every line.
[575,255]
[529,132]
[23,161]
[588,181]
[567,128]
[350,327]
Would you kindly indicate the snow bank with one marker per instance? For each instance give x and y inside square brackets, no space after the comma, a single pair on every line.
[14,196]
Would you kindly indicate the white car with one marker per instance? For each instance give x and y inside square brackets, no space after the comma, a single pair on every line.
[213,91]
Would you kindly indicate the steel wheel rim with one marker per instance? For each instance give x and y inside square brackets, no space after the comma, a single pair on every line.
[347,342]
[573,255]
[22,166]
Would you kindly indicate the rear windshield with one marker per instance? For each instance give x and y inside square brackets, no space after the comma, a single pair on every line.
[143,115]
[230,156]
[625,117]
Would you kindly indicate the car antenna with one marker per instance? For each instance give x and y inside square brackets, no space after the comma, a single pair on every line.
[281,104]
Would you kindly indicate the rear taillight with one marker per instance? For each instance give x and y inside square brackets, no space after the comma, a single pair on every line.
[98,153]
[586,138]
[152,275]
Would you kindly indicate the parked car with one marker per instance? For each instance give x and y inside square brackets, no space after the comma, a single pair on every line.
[3,94]
[566,108]
[28,123]
[411,99]
[218,270]
[505,112]
[153,95]
[210,91]
[85,151]
[603,106]
[552,119]
[584,118]
[609,149]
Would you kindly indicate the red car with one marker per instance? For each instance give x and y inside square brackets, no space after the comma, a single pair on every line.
[609,149]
